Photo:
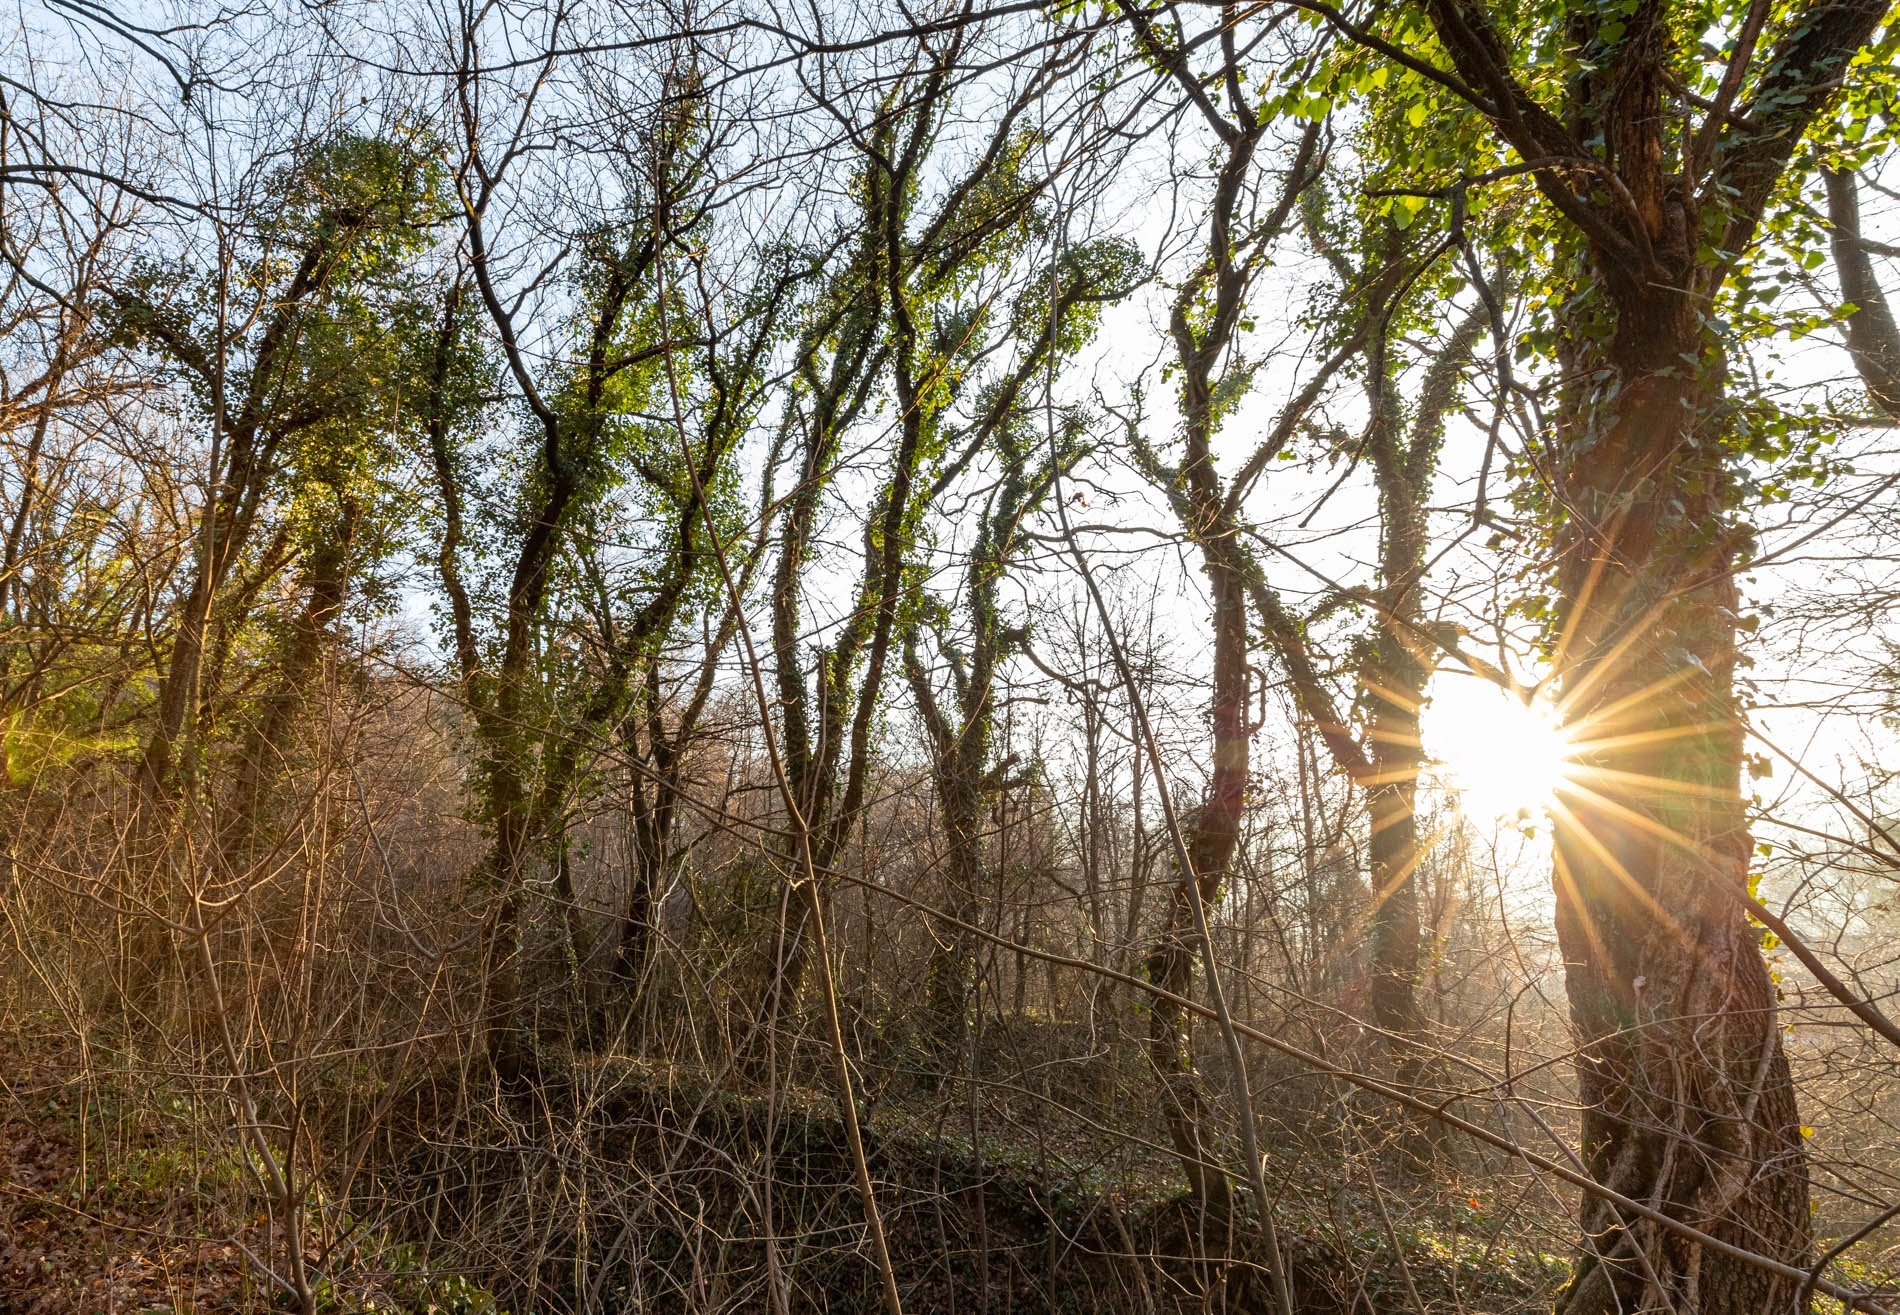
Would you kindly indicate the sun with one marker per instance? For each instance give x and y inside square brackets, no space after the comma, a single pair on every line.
[1505,758]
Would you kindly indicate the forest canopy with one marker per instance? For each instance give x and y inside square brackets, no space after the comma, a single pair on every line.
[1125,656]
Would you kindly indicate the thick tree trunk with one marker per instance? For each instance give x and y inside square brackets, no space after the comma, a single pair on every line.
[229,516]
[508,767]
[655,864]
[268,744]
[506,1038]
[647,878]
[1394,851]
[178,690]
[1400,669]
[1686,1095]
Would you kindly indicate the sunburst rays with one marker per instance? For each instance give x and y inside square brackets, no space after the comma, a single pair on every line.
[1519,747]
[1591,771]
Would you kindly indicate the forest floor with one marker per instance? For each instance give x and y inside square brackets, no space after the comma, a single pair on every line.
[114,1205]
[79,1236]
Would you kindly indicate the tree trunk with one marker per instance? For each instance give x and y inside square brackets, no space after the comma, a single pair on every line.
[647,876]
[178,691]
[506,1039]
[1686,1096]
[654,861]
[1873,340]
[1685,1092]
[1393,849]
[1400,669]
[327,592]
[1216,833]
[953,967]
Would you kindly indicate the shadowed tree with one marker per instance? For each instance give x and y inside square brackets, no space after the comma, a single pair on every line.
[591,416]
[1657,154]
[290,392]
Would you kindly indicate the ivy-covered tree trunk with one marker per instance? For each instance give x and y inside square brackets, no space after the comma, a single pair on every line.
[1686,1097]
[1685,1091]
[953,964]
[890,327]
[1396,694]
[651,870]
[1394,690]
[243,464]
[1204,324]
[299,679]
[1404,462]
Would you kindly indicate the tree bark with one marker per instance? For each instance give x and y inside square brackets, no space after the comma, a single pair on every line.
[328,573]
[1215,835]
[1873,340]
[1686,1095]
[1404,463]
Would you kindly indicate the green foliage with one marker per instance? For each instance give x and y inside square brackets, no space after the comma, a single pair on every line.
[1101,272]
[1439,169]
[299,348]
[411,1286]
